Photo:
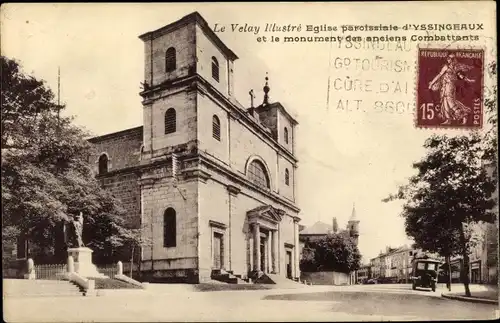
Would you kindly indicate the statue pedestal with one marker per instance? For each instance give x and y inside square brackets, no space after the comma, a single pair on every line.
[83,262]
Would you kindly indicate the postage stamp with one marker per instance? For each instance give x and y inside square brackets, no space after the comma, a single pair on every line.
[450,88]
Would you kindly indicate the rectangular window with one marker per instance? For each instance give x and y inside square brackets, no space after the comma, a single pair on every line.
[431,266]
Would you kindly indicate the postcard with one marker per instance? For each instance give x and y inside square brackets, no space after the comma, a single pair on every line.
[167,162]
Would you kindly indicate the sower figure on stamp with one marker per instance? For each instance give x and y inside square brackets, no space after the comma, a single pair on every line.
[73,232]
[445,82]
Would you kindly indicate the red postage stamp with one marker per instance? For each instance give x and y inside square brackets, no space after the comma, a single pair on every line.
[450,88]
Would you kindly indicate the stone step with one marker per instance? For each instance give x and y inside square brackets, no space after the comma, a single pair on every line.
[29,288]
[44,293]
[56,287]
[70,287]
[38,281]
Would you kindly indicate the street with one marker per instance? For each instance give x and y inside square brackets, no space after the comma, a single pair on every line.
[323,303]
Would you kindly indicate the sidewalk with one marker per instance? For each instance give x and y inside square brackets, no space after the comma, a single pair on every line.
[487,294]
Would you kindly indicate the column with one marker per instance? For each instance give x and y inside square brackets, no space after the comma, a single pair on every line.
[296,250]
[256,247]
[274,235]
[269,251]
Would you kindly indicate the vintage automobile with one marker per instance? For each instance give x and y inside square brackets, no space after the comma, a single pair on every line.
[425,273]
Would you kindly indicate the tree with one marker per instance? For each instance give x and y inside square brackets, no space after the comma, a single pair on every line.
[334,252]
[450,193]
[46,172]
[136,239]
[491,136]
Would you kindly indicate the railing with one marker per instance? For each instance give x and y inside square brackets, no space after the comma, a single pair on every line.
[108,270]
[59,271]
[51,272]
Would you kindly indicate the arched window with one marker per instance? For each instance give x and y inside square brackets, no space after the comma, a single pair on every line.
[216,127]
[257,174]
[215,69]
[170,121]
[103,164]
[286,135]
[170,60]
[169,228]
[287,177]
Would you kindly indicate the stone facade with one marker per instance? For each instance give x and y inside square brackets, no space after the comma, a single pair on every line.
[364,273]
[210,182]
[483,258]
[393,265]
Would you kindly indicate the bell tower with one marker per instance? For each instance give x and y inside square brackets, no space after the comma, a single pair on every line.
[353,225]
[179,60]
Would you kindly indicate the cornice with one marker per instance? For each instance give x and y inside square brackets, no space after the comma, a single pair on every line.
[216,224]
[235,177]
[197,174]
[196,18]
[201,85]
[197,83]
[233,190]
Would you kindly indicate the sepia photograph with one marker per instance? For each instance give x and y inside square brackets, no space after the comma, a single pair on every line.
[251,162]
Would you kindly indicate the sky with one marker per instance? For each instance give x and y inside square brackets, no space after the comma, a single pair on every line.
[352,147]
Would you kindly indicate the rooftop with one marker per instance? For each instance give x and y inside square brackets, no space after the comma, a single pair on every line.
[196,18]
[138,130]
[318,228]
[279,106]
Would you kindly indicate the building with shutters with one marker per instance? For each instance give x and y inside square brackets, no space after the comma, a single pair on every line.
[210,181]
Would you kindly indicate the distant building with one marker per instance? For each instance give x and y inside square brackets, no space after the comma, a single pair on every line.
[321,229]
[376,266]
[364,273]
[394,265]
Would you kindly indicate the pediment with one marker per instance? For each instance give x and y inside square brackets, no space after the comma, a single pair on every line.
[266,212]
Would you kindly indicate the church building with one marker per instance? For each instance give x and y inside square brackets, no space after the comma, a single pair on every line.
[210,182]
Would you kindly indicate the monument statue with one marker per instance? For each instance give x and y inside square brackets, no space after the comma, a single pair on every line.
[73,232]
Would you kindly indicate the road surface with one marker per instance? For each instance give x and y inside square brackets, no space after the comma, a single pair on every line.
[320,303]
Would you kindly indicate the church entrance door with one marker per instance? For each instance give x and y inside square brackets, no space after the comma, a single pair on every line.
[263,254]
[289,264]
[218,251]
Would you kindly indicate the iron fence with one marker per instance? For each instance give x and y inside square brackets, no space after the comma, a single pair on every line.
[57,271]
[108,270]
[50,271]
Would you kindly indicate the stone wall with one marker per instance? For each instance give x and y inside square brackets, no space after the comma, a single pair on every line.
[217,203]
[207,143]
[325,278]
[125,187]
[184,103]
[170,263]
[182,40]
[123,149]
[205,50]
